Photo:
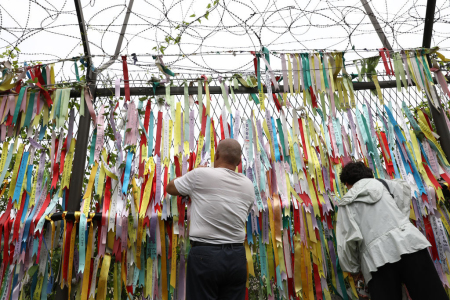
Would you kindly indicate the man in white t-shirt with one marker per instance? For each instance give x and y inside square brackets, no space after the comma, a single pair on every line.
[221,200]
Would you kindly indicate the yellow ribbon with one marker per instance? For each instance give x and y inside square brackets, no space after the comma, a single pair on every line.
[249,257]
[173,271]
[101,289]
[72,247]
[87,265]
[212,134]
[6,84]
[68,165]
[297,265]
[101,176]
[177,138]
[201,141]
[4,155]
[377,86]
[12,185]
[147,190]
[87,195]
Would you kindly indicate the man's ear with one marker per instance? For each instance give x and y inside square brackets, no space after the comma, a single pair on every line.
[216,156]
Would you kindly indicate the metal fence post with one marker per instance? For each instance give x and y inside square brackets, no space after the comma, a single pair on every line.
[79,162]
[437,114]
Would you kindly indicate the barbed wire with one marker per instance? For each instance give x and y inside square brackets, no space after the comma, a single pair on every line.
[233,28]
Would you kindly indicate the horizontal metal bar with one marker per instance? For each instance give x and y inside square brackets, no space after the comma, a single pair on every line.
[217,90]
[71,216]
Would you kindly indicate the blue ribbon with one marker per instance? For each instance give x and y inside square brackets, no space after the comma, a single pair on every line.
[150,137]
[275,140]
[231,126]
[126,178]
[29,180]
[92,152]
[22,171]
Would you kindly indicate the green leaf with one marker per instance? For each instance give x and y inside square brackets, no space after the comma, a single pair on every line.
[192,16]
[209,5]
[207,15]
[33,270]
[128,130]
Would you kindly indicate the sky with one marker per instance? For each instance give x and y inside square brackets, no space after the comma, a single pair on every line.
[47,31]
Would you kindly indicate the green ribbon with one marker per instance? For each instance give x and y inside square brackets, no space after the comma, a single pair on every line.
[29,114]
[18,104]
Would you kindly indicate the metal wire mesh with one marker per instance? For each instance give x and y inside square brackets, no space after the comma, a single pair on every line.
[244,103]
[43,136]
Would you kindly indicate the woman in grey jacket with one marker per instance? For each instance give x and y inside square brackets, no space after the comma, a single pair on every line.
[375,236]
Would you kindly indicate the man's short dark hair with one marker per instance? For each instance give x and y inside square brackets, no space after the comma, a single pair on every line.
[354,171]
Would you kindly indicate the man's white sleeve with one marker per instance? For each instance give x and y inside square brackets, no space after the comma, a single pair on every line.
[186,184]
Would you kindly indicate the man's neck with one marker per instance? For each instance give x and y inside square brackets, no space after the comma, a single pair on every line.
[226,166]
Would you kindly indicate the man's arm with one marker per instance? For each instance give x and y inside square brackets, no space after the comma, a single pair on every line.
[172,189]
[183,185]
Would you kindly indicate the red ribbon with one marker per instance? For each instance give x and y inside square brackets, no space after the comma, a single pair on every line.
[383,52]
[177,166]
[158,134]
[317,282]
[191,161]
[203,121]
[431,177]
[144,139]
[44,91]
[444,176]
[383,141]
[296,220]
[63,156]
[313,97]
[430,237]
[107,200]
[55,175]
[6,238]
[116,249]
[277,103]
[222,132]
[181,211]
[300,124]
[39,247]
[69,226]
[43,208]
[125,77]
[18,217]
[166,171]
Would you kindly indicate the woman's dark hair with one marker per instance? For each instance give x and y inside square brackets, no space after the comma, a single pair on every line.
[354,171]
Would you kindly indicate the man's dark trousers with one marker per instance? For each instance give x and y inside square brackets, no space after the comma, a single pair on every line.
[416,271]
[216,272]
